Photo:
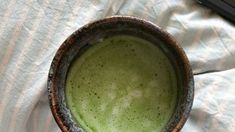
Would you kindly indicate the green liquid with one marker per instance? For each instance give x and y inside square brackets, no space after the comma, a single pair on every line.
[122,84]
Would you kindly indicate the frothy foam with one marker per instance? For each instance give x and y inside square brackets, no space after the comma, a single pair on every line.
[123,84]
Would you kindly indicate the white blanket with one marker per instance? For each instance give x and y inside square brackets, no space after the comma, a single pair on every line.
[32,30]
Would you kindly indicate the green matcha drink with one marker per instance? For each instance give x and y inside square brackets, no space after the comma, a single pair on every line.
[122,84]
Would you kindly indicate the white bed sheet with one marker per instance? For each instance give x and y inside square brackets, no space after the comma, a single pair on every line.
[32,30]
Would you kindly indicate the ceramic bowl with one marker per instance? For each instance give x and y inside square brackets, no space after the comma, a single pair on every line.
[107,27]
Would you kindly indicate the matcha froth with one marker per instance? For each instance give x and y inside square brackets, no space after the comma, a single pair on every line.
[122,84]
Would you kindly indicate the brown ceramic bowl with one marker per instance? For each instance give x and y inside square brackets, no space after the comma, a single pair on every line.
[105,28]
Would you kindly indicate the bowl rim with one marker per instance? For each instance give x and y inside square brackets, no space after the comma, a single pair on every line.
[189,80]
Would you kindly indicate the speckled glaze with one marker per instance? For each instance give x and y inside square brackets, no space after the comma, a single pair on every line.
[82,39]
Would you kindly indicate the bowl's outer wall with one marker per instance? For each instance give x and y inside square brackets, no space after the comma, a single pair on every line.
[83,37]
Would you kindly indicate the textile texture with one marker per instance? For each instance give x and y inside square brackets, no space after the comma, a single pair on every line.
[31,31]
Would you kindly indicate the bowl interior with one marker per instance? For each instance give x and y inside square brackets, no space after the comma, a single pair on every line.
[88,35]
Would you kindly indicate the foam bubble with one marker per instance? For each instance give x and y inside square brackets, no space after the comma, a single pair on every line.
[153,83]
[103,107]
[112,95]
[136,93]
[84,104]
[115,110]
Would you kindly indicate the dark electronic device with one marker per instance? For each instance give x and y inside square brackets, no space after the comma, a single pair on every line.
[224,7]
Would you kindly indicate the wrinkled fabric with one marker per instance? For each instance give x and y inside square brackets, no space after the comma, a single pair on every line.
[31,31]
